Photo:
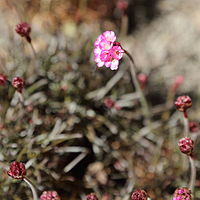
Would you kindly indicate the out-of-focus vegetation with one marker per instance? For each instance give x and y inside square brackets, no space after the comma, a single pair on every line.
[67,137]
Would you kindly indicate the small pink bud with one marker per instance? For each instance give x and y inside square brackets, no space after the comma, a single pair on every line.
[122,5]
[18,83]
[49,195]
[142,78]
[91,196]
[186,145]
[182,103]
[24,29]
[177,82]
[193,127]
[139,195]
[109,103]
[17,170]
[3,80]
[182,194]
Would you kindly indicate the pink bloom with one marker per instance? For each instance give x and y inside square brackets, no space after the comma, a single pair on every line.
[91,196]
[49,195]
[24,29]
[142,78]
[109,103]
[3,79]
[186,145]
[193,127]
[17,170]
[139,195]
[18,83]
[107,52]
[182,103]
[122,5]
[182,194]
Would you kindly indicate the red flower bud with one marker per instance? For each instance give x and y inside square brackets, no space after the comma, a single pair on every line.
[91,196]
[18,83]
[182,194]
[193,127]
[109,103]
[3,79]
[24,29]
[139,195]
[122,5]
[182,103]
[186,145]
[49,195]
[142,78]
[17,170]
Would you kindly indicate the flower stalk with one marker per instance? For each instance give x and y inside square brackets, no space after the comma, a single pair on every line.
[193,173]
[32,187]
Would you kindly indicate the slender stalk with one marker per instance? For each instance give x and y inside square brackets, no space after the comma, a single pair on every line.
[186,124]
[33,189]
[143,100]
[33,49]
[193,174]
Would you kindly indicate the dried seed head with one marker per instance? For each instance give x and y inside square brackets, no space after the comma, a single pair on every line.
[139,195]
[186,145]
[182,103]
[18,83]
[182,194]
[17,170]
[24,29]
[91,196]
[49,195]
[3,79]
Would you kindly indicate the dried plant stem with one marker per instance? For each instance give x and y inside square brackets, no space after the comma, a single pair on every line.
[143,100]
[33,189]
[193,174]
[186,124]
[33,49]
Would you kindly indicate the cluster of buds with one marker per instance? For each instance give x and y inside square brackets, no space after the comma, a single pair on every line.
[182,194]
[24,29]
[182,103]
[17,170]
[139,195]
[186,145]
[18,83]
[107,52]
[3,80]
[91,196]
[49,195]
[142,78]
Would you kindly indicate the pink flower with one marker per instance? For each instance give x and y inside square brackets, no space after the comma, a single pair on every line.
[49,195]
[186,145]
[109,103]
[142,78]
[24,29]
[3,79]
[107,52]
[18,83]
[91,196]
[17,170]
[139,195]
[182,103]
[182,194]
[193,127]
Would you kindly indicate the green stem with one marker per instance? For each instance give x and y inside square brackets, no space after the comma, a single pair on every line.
[193,174]
[143,100]
[33,189]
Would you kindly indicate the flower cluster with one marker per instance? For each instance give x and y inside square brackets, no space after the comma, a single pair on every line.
[182,103]
[139,195]
[3,79]
[49,195]
[18,83]
[107,52]
[182,194]
[91,196]
[186,145]
[24,29]
[17,170]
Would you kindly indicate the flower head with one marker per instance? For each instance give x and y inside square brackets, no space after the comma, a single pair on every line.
[18,83]
[193,127]
[142,78]
[3,79]
[182,103]
[107,52]
[186,145]
[182,194]
[24,29]
[49,195]
[109,103]
[91,196]
[139,195]
[122,5]
[17,170]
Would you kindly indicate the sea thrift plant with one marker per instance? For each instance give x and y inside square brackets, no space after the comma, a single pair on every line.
[17,170]
[186,145]
[107,52]
[182,194]
[91,196]
[49,195]
[24,29]
[18,83]
[139,195]
[182,103]
[3,80]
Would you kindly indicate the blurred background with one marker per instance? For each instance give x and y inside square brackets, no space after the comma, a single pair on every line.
[81,128]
